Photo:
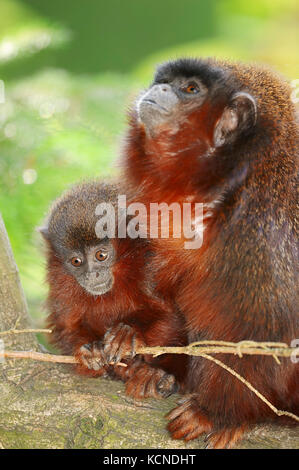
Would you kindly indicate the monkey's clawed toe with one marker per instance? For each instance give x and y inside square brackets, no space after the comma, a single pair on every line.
[120,342]
[186,421]
[225,439]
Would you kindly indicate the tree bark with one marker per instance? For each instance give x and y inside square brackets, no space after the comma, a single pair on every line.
[48,406]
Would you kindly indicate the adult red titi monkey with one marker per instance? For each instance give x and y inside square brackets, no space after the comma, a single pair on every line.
[225,135]
[101,287]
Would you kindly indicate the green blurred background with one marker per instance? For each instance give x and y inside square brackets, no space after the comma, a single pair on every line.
[71,68]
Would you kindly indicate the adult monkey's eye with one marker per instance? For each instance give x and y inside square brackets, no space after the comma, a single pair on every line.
[101,255]
[192,89]
[76,261]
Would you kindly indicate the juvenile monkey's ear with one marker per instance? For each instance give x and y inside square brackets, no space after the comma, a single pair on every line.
[238,116]
[44,232]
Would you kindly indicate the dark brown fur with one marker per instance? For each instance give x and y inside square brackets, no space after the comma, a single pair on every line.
[243,283]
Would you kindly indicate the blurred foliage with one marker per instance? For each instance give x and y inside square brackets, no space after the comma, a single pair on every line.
[263,31]
[115,35]
[72,68]
[55,129]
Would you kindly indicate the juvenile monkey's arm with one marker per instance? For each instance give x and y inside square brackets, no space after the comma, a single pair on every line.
[73,338]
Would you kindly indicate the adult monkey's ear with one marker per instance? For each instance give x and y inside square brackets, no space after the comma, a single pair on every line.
[238,116]
[44,232]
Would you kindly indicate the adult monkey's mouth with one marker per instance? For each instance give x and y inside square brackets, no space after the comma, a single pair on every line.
[154,103]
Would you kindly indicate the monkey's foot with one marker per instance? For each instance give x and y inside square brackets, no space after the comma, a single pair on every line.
[226,438]
[120,342]
[149,382]
[186,420]
[92,357]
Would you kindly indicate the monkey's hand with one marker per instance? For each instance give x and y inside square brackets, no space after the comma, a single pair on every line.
[150,382]
[142,380]
[91,356]
[145,381]
[121,342]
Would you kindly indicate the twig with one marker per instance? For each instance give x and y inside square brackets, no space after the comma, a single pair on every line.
[30,330]
[224,347]
[251,387]
[198,348]
[36,356]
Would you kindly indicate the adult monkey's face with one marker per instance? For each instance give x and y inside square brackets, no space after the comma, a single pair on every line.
[197,97]
[168,101]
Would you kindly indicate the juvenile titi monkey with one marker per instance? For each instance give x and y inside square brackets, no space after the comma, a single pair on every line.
[101,298]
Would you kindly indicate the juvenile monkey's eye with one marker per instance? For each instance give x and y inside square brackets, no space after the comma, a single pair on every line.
[192,89]
[76,261]
[101,255]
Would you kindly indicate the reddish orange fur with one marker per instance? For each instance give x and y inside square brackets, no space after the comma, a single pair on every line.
[229,290]
[78,318]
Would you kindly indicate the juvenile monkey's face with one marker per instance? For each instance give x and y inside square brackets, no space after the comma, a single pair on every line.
[169,101]
[92,267]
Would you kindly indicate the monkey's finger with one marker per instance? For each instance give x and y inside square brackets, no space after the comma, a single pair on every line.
[90,362]
[225,439]
[112,333]
[111,336]
[92,356]
[153,377]
[167,385]
[115,343]
[86,350]
[187,422]
[111,349]
[179,410]
[99,354]
[95,364]
[86,363]
[181,426]
[126,347]
[142,381]
[84,355]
